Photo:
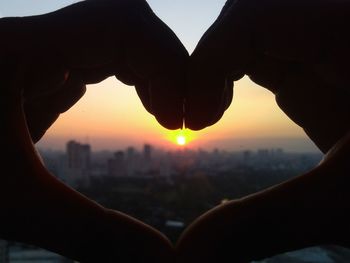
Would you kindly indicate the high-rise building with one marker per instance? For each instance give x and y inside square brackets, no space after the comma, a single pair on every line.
[78,161]
[78,155]
[130,153]
[147,152]
[3,251]
[247,156]
[132,161]
[116,165]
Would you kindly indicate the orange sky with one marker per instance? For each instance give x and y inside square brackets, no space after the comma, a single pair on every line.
[110,115]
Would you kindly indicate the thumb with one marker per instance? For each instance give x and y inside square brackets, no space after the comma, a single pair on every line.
[220,57]
[158,58]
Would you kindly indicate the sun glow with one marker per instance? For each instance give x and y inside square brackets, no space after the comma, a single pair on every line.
[181,140]
[181,137]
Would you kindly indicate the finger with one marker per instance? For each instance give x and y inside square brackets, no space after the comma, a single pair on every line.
[222,14]
[222,54]
[95,34]
[228,93]
[119,69]
[156,56]
[43,111]
[143,92]
[287,217]
[39,75]
[225,103]
[145,51]
[321,110]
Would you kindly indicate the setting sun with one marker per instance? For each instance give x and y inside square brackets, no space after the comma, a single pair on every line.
[180,137]
[181,140]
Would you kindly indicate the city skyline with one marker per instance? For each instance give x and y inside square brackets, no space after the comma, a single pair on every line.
[78,163]
[296,144]
[168,190]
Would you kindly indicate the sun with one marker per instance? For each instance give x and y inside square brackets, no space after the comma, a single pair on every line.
[181,140]
[181,137]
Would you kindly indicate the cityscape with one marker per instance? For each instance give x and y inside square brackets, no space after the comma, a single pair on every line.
[168,189]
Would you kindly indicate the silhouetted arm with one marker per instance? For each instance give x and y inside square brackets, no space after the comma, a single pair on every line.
[40,210]
[45,62]
[87,42]
[309,210]
[298,50]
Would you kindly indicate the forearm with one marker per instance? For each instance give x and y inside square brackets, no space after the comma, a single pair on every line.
[306,211]
[48,214]
[56,218]
[289,217]
[40,210]
[36,207]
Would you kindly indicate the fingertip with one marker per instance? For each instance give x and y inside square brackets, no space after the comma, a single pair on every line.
[228,94]
[167,100]
[170,124]
[205,100]
[223,53]
[71,93]
[142,90]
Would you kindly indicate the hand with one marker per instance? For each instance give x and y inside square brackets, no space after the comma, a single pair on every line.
[46,62]
[307,211]
[297,49]
[40,210]
[60,52]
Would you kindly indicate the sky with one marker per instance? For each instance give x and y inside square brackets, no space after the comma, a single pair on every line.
[110,115]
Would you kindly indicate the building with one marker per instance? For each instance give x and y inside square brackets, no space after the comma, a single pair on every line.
[132,161]
[3,251]
[15,252]
[78,162]
[147,152]
[29,255]
[78,155]
[117,165]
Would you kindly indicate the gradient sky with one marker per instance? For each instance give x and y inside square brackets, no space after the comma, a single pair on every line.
[111,116]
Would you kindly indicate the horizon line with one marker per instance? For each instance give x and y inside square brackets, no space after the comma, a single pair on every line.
[288,144]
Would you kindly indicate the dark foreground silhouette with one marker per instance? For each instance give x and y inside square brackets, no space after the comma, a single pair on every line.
[297,50]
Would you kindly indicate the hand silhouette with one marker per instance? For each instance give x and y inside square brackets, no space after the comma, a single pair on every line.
[84,43]
[307,211]
[46,61]
[299,51]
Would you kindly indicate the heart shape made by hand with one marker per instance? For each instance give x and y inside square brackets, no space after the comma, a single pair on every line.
[50,58]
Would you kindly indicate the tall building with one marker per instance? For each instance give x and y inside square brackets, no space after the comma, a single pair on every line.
[132,161]
[147,152]
[78,161]
[247,156]
[78,155]
[117,165]
[130,153]
[3,251]
[146,159]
